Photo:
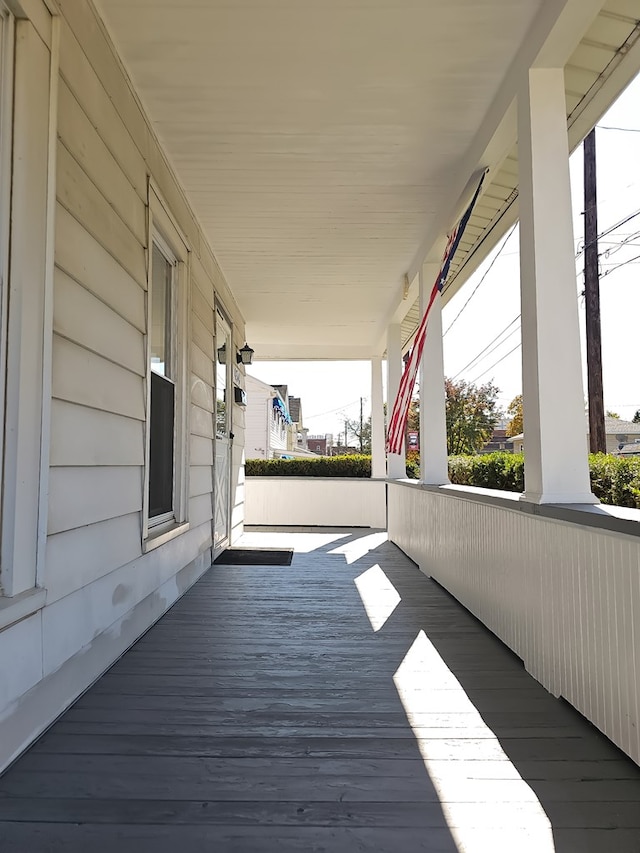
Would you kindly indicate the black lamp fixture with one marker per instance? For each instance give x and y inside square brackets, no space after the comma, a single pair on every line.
[245,355]
[222,354]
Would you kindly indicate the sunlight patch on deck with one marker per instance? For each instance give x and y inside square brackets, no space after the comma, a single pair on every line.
[378,594]
[360,547]
[469,770]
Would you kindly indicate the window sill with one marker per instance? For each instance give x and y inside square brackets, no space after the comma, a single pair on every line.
[21,606]
[159,537]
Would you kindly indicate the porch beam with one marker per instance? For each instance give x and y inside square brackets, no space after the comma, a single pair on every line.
[556,471]
[434,469]
[378,461]
[396,464]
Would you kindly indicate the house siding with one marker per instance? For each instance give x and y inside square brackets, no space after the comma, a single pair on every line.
[97,576]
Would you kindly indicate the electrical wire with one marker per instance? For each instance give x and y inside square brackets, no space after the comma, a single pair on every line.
[608,231]
[622,264]
[486,351]
[486,273]
[480,375]
[332,411]
[623,129]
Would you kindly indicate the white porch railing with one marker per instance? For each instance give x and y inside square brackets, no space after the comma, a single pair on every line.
[560,586]
[315,501]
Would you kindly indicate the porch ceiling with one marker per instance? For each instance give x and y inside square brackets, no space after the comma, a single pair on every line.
[320,143]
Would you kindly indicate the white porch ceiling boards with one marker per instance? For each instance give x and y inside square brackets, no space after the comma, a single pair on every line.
[317,141]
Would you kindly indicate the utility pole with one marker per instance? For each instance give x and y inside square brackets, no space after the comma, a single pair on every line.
[345,434]
[361,443]
[597,434]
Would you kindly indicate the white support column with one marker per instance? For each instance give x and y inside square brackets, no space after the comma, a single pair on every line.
[433,424]
[396,464]
[556,466]
[378,461]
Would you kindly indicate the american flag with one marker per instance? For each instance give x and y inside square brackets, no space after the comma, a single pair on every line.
[400,411]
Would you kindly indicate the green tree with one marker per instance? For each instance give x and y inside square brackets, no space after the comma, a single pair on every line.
[636,417]
[609,414]
[472,413]
[516,423]
[362,434]
[413,418]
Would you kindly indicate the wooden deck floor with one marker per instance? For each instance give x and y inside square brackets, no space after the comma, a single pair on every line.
[343,703]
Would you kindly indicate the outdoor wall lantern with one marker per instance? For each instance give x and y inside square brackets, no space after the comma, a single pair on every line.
[244,355]
[222,354]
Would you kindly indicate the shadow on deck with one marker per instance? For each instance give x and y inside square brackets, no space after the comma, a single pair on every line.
[342,703]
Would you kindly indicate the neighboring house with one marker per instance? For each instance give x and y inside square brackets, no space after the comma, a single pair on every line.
[498,442]
[270,431]
[268,423]
[619,434]
[517,442]
[632,449]
[320,444]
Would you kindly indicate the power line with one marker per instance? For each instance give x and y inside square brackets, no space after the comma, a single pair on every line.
[622,264]
[473,382]
[482,352]
[332,411]
[623,129]
[487,271]
[609,230]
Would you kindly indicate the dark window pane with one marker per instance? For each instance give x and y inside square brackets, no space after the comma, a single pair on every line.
[161,445]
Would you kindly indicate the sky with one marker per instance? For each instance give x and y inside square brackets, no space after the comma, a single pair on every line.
[485,311]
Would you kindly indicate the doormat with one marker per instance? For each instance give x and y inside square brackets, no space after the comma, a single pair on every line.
[254,557]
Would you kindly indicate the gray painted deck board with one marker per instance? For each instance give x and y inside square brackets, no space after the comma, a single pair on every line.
[264,713]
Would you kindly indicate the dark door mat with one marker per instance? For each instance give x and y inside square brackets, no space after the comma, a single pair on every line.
[254,557]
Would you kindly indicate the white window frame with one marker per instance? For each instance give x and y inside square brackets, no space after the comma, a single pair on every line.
[166,234]
[7,46]
[28,128]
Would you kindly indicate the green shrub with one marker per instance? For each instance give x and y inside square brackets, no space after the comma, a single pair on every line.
[413,464]
[489,471]
[614,480]
[355,465]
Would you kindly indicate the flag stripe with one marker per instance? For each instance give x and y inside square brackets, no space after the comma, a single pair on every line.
[400,412]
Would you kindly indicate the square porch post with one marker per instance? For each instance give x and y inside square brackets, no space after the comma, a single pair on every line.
[556,465]
[396,463]
[378,461]
[433,422]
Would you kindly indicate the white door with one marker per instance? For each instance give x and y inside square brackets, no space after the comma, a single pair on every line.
[222,461]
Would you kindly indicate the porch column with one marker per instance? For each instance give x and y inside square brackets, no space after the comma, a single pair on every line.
[378,462]
[396,465]
[433,423]
[555,427]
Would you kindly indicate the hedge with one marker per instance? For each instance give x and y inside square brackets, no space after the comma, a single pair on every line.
[489,471]
[355,465]
[614,480]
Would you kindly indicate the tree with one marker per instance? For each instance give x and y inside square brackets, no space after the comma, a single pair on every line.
[413,418]
[636,417]
[361,433]
[472,413]
[516,423]
[609,414]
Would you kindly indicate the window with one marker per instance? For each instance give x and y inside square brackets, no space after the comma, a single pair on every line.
[167,428]
[163,390]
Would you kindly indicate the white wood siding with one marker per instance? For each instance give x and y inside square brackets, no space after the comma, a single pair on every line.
[98,580]
[563,596]
[315,501]
[257,419]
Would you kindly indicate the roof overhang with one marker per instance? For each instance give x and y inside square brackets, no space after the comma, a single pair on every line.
[328,148]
